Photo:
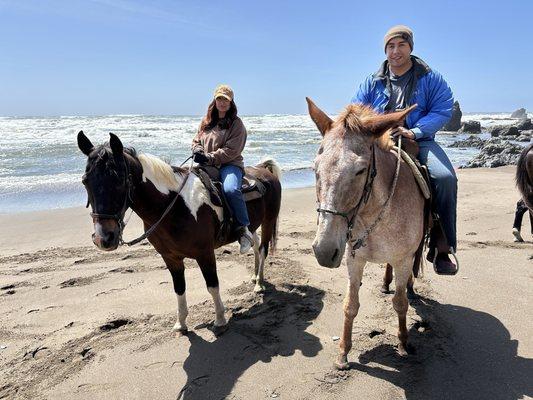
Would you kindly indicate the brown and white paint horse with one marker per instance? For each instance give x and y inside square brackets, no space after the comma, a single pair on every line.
[117,178]
[353,146]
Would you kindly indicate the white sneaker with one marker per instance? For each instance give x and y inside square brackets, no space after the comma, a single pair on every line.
[246,240]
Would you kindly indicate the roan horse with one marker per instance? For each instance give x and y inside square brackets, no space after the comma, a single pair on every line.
[355,172]
[117,178]
[524,182]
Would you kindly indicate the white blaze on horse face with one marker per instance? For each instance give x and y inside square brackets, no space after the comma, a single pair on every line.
[165,180]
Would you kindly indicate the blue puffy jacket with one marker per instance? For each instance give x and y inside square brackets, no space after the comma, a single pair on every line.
[431,92]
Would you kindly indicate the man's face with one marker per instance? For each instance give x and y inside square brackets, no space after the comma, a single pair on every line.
[398,52]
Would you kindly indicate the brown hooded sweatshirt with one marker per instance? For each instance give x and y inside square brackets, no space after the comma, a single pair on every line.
[222,146]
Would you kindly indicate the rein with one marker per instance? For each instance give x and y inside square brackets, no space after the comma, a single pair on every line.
[360,242]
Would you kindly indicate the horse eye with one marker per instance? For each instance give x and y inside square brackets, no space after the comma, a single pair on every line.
[359,172]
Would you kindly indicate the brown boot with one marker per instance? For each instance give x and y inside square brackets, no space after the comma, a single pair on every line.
[444,266]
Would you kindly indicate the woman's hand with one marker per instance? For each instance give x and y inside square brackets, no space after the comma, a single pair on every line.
[403,132]
[200,158]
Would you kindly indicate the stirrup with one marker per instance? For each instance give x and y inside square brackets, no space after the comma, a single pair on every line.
[454,257]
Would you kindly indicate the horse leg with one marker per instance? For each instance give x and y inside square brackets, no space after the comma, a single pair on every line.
[351,308]
[521,208]
[531,220]
[399,301]
[411,294]
[387,279]
[258,258]
[267,232]
[177,270]
[208,267]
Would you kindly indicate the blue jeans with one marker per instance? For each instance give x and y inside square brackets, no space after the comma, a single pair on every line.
[231,177]
[444,185]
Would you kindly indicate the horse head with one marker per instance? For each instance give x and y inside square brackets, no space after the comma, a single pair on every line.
[107,182]
[344,171]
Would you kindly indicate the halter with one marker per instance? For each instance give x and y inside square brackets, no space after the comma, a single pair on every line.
[367,190]
[360,242]
[119,217]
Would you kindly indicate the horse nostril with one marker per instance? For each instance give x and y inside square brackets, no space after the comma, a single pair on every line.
[111,236]
[335,255]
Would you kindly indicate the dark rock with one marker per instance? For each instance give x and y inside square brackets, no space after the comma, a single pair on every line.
[520,113]
[503,130]
[523,138]
[454,124]
[496,153]
[470,127]
[471,141]
[524,124]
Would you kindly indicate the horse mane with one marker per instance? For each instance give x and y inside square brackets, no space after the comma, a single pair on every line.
[160,172]
[354,118]
[523,181]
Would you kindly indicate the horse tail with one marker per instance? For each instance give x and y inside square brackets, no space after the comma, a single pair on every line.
[524,181]
[274,168]
[271,165]
[418,264]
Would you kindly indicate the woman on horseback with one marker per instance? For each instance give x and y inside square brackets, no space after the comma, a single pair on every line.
[219,143]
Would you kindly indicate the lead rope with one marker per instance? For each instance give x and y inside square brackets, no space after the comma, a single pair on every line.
[361,241]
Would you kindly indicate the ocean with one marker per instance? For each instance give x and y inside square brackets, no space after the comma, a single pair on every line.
[41,166]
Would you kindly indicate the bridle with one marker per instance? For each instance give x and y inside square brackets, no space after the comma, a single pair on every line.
[119,217]
[367,190]
[372,171]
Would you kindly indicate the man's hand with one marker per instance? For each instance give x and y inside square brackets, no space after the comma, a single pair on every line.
[200,158]
[402,131]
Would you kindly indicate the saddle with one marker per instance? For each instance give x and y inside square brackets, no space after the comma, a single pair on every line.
[251,188]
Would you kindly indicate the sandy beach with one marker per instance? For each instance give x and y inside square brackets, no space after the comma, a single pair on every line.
[79,323]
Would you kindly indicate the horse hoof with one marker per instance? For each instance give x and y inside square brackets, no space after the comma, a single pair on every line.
[517,236]
[405,350]
[385,290]
[180,330]
[259,288]
[219,330]
[342,363]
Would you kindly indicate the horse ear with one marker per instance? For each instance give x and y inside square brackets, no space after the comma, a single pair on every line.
[319,117]
[116,145]
[84,143]
[379,124]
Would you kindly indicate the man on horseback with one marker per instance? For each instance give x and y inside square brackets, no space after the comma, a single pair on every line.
[404,80]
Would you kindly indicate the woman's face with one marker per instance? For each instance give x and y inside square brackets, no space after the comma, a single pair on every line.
[222,104]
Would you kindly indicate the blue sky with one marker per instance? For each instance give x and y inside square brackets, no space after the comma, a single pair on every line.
[73,57]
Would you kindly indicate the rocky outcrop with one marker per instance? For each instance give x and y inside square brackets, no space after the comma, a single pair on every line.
[503,130]
[454,124]
[520,113]
[524,124]
[470,127]
[496,153]
[525,136]
[471,141]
